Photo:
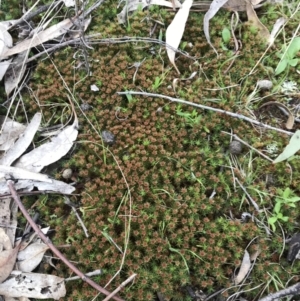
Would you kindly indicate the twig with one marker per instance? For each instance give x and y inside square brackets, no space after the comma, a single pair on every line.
[119,287]
[69,203]
[235,115]
[90,274]
[30,15]
[48,242]
[90,40]
[292,290]
[248,195]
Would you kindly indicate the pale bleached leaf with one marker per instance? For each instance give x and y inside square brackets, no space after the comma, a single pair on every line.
[15,72]
[290,149]
[49,152]
[5,39]
[5,242]
[69,3]
[244,269]
[29,258]
[132,5]
[278,24]
[33,285]
[23,142]
[41,37]
[3,67]
[175,30]
[214,8]
[8,216]
[21,173]
[11,130]
[29,185]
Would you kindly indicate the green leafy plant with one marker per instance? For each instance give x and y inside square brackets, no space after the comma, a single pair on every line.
[288,56]
[191,118]
[287,198]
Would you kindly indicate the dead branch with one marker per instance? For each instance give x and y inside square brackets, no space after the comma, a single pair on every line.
[292,290]
[235,115]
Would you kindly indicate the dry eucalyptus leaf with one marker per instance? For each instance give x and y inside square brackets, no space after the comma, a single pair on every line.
[41,37]
[15,72]
[7,262]
[21,173]
[244,269]
[50,152]
[252,17]
[132,5]
[291,119]
[29,258]
[278,24]
[3,67]
[69,3]
[8,216]
[5,39]
[214,8]
[33,285]
[29,185]
[4,241]
[11,130]
[23,142]
[290,149]
[175,30]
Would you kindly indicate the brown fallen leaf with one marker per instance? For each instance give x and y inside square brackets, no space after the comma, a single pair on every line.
[291,119]
[7,262]
[252,17]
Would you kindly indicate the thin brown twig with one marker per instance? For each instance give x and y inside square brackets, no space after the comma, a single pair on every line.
[120,286]
[48,242]
[235,115]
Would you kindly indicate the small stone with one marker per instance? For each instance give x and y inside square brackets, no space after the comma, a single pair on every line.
[85,107]
[108,137]
[264,84]
[235,147]
[67,173]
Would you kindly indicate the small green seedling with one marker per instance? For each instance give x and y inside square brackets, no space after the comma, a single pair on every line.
[191,118]
[288,56]
[286,197]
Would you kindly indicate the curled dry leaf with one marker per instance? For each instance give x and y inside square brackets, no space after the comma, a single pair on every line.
[20,173]
[214,8]
[175,30]
[291,119]
[23,142]
[41,37]
[252,17]
[5,39]
[33,285]
[15,72]
[29,258]
[11,130]
[29,185]
[244,269]
[50,152]
[3,67]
